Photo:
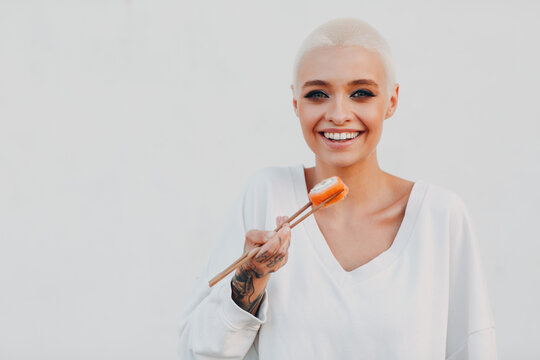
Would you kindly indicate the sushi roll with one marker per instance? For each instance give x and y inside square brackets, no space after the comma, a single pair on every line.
[327,188]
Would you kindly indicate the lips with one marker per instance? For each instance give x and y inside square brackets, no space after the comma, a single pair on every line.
[340,136]
[341,139]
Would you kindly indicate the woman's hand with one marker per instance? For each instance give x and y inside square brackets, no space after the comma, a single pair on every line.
[270,248]
[270,251]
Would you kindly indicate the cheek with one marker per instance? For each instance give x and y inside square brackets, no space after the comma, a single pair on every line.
[373,116]
[308,133]
[307,129]
[310,115]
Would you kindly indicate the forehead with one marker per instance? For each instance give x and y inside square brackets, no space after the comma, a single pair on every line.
[341,64]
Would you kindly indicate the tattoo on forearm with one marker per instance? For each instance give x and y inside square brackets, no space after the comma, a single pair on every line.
[254,305]
[243,291]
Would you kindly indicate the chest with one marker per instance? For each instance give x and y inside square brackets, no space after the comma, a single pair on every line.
[362,239]
[377,316]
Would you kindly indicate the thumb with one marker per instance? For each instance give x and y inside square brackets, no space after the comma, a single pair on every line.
[280,220]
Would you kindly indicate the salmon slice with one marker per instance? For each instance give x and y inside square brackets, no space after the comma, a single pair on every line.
[327,188]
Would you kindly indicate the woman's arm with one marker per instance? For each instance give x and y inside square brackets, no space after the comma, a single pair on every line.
[248,290]
[214,327]
[220,322]
[471,328]
[249,281]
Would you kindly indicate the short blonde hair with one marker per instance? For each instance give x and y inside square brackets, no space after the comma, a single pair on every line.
[347,32]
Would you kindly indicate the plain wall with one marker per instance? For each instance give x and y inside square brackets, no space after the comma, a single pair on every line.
[128,127]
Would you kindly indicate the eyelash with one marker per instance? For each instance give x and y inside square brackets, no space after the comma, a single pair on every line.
[315,94]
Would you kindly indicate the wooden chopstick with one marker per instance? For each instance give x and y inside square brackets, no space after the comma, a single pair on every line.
[234,264]
[246,256]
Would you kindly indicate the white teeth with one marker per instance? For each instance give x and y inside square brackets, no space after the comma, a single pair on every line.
[341,136]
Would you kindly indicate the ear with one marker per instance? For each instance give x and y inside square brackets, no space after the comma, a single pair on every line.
[294,101]
[392,103]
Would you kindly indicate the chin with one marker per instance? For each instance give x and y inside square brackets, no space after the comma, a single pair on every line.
[341,160]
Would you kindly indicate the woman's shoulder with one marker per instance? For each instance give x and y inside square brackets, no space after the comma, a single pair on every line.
[443,199]
[433,196]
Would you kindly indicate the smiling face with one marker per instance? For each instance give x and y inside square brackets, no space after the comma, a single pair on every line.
[342,101]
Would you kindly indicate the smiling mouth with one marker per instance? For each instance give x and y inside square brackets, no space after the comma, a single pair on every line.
[343,136]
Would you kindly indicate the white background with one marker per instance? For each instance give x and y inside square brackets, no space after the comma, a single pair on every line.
[128,127]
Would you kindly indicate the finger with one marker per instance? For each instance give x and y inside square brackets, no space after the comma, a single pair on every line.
[286,236]
[267,253]
[274,241]
[283,251]
[276,262]
[280,258]
[285,232]
[280,220]
[283,239]
[248,265]
[269,249]
[258,237]
[285,259]
[253,253]
[285,245]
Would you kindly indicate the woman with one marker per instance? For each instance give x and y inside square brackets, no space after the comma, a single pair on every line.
[391,272]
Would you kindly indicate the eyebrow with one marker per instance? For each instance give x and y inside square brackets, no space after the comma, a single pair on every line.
[351,83]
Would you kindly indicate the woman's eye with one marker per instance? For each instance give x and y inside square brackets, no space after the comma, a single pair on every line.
[317,94]
[363,93]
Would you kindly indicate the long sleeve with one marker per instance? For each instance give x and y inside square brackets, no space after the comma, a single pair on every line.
[212,325]
[471,327]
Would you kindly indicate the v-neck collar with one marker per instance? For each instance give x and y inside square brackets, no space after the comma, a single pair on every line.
[377,264]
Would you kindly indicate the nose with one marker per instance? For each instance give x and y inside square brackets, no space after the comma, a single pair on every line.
[339,111]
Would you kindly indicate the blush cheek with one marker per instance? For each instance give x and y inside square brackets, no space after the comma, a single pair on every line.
[309,135]
[307,125]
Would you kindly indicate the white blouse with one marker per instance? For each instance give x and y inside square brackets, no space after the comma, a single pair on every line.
[423,298]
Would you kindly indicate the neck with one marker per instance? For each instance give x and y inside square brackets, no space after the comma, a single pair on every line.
[366,181]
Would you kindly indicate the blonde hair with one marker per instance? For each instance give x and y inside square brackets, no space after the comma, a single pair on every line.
[347,32]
